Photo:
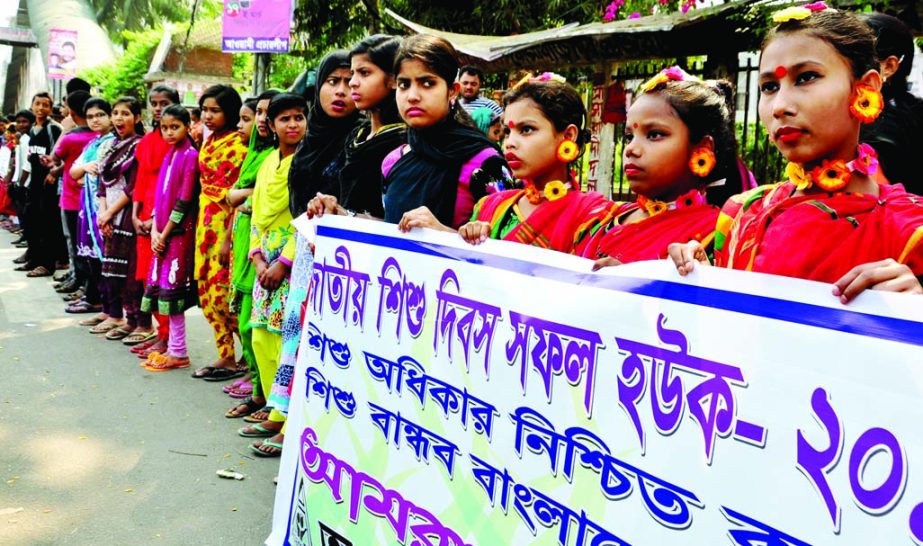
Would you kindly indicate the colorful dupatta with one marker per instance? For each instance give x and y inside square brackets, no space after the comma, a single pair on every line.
[819,236]
[554,224]
[89,238]
[219,165]
[649,238]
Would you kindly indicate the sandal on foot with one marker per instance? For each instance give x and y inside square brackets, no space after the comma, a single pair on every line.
[203,372]
[242,391]
[104,327]
[249,405]
[137,337]
[39,271]
[83,307]
[228,388]
[143,346]
[119,333]
[261,432]
[223,374]
[93,321]
[258,416]
[166,363]
[276,449]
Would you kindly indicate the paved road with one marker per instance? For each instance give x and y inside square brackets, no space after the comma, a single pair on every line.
[87,438]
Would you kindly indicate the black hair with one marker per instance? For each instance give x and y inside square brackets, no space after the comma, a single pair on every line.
[69,43]
[284,101]
[844,31]
[77,84]
[441,57]
[268,94]
[228,100]
[472,70]
[171,93]
[76,101]
[97,102]
[893,39]
[24,113]
[250,104]
[42,95]
[559,102]
[177,111]
[134,106]
[706,108]
[195,111]
[381,49]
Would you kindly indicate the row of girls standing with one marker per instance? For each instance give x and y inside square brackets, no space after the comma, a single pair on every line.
[681,161]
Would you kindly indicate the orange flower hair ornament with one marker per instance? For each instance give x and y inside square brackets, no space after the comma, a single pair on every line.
[567,151]
[867,103]
[702,161]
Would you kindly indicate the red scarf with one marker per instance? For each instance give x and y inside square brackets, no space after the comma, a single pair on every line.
[554,224]
[649,238]
[821,236]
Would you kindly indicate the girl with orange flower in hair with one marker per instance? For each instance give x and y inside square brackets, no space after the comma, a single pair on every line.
[219,165]
[545,132]
[836,219]
[680,159]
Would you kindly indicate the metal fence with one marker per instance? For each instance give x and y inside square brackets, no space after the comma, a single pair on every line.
[754,148]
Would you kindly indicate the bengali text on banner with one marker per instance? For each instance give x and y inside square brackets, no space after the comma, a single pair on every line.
[449,394]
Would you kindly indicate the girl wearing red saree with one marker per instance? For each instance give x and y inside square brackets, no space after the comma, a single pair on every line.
[836,219]
[545,131]
[679,140]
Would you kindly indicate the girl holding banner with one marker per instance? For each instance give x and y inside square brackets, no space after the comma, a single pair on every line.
[680,159]
[545,132]
[836,219]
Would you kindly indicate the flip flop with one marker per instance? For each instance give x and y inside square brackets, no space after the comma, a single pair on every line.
[137,337]
[39,271]
[104,327]
[228,388]
[92,321]
[252,407]
[260,453]
[263,432]
[203,372]
[118,333]
[223,374]
[253,419]
[83,307]
[242,391]
[166,363]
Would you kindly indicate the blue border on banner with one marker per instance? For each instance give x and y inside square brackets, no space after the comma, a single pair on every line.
[841,320]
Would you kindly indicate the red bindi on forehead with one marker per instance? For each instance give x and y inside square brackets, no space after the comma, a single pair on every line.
[635,125]
[780,72]
[511,124]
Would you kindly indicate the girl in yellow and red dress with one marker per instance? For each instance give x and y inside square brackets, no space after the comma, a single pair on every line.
[544,121]
[680,159]
[836,219]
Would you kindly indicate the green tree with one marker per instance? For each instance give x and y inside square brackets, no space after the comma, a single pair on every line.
[126,75]
[138,15]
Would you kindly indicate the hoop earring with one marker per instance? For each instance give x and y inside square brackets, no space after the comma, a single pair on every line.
[867,103]
[567,151]
[702,161]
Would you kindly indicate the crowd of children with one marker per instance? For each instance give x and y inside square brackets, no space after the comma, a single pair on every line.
[159,223]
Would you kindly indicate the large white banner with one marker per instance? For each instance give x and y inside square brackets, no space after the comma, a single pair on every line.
[449,394]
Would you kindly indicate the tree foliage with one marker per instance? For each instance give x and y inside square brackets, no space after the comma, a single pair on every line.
[126,75]
[117,16]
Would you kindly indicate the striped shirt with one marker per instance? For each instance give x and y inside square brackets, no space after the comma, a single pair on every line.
[480,102]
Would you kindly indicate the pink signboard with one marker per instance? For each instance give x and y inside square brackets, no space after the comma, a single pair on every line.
[62,54]
[256,26]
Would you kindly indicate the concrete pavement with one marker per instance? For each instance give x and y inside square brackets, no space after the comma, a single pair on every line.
[94,450]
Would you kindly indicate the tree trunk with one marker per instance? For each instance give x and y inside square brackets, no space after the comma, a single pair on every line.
[93,45]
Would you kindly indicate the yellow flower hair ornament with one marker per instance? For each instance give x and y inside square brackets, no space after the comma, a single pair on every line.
[567,151]
[674,73]
[798,13]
